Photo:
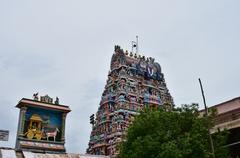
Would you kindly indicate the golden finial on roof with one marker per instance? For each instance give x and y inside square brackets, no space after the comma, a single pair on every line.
[131,54]
[135,55]
[126,52]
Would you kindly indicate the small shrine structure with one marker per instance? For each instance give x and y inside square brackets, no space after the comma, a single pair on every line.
[41,125]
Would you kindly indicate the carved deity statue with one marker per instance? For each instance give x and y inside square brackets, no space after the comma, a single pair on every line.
[35,96]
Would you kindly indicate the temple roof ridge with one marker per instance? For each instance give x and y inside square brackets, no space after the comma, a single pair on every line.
[131,54]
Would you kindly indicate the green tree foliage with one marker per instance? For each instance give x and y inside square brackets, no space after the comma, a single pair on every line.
[179,133]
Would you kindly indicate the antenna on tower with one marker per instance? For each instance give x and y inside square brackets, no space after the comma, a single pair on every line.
[135,45]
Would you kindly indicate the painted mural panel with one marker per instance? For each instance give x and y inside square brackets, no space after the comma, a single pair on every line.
[41,124]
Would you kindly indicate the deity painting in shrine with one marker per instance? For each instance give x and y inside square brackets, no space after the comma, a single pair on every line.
[43,124]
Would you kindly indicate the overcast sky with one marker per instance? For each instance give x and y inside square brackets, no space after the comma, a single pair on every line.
[63,48]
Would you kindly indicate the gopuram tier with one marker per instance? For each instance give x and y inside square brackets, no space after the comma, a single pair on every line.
[134,82]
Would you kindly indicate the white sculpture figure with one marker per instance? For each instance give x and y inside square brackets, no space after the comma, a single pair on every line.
[52,134]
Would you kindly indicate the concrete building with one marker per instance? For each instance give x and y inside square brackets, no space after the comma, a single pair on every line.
[228,117]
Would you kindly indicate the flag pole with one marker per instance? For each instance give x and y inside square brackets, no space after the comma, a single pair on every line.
[132,46]
[137,45]
[206,111]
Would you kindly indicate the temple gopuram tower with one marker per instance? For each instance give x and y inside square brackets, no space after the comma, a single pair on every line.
[134,82]
[41,125]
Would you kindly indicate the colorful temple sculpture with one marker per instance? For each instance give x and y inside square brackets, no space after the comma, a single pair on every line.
[41,126]
[134,82]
